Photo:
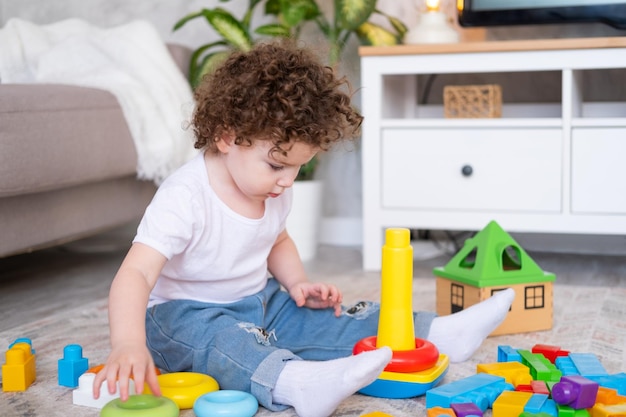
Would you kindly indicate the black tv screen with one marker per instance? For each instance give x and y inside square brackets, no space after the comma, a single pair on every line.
[526,12]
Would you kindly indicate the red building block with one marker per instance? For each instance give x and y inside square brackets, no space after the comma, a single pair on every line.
[550,352]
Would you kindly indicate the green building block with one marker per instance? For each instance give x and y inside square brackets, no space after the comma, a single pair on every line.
[541,369]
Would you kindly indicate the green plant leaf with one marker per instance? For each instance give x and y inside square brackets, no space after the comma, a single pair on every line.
[307,171]
[273,29]
[350,14]
[272,7]
[397,24]
[187,18]
[230,28]
[195,62]
[208,64]
[294,12]
[373,34]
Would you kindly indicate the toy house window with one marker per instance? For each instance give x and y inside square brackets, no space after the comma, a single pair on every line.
[511,259]
[457,293]
[534,297]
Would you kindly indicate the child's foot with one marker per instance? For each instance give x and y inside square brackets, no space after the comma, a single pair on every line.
[459,335]
[315,389]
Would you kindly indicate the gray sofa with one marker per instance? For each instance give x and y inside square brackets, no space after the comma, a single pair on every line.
[67,164]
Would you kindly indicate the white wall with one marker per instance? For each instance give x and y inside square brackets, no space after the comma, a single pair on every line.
[341,169]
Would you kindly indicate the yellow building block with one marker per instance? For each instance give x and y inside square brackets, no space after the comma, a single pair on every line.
[18,373]
[376,414]
[514,373]
[510,403]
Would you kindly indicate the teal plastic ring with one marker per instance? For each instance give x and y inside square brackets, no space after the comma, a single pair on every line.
[226,403]
[144,405]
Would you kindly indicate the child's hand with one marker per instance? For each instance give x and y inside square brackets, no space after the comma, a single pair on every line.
[317,295]
[125,362]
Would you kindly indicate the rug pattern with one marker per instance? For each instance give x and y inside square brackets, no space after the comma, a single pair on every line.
[586,319]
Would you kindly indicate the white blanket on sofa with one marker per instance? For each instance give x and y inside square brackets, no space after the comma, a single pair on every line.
[131,61]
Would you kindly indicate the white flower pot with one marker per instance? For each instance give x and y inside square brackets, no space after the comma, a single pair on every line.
[303,223]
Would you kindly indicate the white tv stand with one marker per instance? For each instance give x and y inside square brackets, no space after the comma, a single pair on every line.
[551,168]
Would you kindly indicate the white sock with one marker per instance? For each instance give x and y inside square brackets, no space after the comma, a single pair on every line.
[458,335]
[315,389]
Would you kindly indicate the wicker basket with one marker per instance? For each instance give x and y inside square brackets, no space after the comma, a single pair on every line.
[472,101]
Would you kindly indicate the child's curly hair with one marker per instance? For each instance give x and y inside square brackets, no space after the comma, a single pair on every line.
[276,92]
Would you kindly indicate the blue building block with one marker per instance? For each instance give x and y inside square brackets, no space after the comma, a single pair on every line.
[72,366]
[614,381]
[565,364]
[480,389]
[583,364]
[588,364]
[541,404]
[550,407]
[535,403]
[508,354]
[23,340]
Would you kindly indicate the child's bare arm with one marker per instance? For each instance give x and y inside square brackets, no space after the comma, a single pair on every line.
[128,299]
[285,265]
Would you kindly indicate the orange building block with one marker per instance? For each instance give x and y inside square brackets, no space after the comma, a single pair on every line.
[18,373]
[439,411]
[609,396]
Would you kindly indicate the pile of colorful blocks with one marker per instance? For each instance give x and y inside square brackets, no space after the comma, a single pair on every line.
[543,382]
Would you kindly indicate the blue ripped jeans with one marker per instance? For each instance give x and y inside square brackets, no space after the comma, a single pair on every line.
[245,345]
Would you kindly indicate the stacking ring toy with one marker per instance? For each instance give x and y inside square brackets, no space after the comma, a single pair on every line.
[185,387]
[424,356]
[143,405]
[226,403]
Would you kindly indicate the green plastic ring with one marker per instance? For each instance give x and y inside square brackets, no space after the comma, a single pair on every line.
[144,405]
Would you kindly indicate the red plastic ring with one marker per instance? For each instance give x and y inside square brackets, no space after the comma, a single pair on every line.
[424,356]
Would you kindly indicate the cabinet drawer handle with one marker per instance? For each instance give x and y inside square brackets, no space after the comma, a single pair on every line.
[467,170]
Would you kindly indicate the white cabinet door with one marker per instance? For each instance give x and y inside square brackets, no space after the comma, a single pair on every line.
[472,169]
[599,170]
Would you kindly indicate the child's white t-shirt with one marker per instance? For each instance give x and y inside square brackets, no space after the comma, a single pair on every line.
[214,254]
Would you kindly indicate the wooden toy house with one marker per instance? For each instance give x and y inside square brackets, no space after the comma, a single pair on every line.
[493,261]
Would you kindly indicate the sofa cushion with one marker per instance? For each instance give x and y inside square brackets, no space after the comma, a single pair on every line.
[91,140]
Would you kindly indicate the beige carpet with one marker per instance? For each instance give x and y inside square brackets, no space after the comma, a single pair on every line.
[590,319]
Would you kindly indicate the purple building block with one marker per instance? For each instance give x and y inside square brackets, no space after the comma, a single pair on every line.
[466,410]
[575,391]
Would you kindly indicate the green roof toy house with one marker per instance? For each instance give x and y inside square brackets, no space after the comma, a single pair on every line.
[493,261]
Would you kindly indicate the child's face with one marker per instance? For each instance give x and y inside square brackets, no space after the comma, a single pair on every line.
[260,175]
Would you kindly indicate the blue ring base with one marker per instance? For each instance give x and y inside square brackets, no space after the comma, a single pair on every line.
[385,388]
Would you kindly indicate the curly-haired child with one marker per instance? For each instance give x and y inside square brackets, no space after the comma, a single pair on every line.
[225,290]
